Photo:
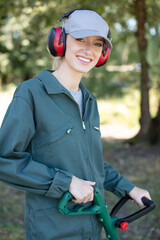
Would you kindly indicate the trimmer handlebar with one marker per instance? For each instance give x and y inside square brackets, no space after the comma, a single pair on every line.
[150,205]
[109,221]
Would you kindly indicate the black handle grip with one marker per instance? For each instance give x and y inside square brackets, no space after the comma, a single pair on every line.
[147,202]
[119,205]
[150,205]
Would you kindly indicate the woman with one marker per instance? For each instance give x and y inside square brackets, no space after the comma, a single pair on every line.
[50,139]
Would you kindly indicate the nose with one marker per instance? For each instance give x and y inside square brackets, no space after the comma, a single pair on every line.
[87,48]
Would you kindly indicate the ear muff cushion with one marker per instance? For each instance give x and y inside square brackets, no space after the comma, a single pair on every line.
[104,56]
[56,42]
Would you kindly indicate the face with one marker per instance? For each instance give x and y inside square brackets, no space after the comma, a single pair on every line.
[82,54]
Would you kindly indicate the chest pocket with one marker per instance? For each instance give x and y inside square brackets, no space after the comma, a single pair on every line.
[96,140]
[96,136]
[56,147]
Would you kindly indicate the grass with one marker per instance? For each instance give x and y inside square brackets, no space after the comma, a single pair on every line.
[11,213]
[120,111]
[126,110]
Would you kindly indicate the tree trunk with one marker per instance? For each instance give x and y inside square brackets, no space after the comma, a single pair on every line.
[154,130]
[145,118]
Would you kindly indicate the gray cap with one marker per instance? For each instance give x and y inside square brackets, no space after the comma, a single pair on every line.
[86,23]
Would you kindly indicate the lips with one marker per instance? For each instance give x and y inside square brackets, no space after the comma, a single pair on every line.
[84,59]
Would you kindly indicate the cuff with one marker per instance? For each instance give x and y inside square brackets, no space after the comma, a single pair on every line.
[123,187]
[60,184]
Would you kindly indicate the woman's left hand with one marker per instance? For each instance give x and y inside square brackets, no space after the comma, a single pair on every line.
[137,193]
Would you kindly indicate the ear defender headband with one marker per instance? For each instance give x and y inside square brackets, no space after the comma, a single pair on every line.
[56,42]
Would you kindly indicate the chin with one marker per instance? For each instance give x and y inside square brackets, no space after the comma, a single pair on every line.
[83,69]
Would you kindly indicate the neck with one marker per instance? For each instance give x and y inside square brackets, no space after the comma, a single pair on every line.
[69,78]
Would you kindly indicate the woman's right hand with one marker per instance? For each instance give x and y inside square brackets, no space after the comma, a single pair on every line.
[81,190]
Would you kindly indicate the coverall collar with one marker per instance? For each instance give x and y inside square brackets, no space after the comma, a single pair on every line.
[53,86]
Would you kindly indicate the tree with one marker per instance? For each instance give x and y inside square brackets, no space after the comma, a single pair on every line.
[146,14]
[145,119]
[150,128]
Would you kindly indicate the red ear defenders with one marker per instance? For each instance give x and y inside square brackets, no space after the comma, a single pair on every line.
[56,43]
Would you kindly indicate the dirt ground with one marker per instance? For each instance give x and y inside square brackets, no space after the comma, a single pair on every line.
[141,164]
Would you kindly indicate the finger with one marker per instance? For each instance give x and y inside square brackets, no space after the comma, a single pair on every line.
[84,199]
[91,183]
[89,199]
[148,196]
[78,200]
[141,205]
[92,196]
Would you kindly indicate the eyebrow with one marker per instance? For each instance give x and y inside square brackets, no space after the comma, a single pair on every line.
[100,39]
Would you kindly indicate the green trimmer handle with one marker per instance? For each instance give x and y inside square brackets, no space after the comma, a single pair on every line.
[110,221]
[98,207]
[80,209]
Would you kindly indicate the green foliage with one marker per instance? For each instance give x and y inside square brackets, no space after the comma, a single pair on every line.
[115,84]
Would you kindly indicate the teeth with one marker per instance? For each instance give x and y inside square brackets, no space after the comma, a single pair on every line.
[84,59]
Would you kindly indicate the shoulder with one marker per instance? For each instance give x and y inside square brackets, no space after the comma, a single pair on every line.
[29,90]
[27,87]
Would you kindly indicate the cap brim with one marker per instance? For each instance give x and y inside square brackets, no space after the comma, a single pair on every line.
[90,33]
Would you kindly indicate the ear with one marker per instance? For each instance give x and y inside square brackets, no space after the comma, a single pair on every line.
[104,56]
[56,42]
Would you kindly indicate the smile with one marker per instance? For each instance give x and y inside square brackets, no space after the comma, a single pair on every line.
[85,60]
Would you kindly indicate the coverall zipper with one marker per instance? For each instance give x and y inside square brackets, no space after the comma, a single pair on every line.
[83,122]
[83,125]
[82,118]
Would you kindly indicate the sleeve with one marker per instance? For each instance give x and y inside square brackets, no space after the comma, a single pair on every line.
[17,167]
[116,183]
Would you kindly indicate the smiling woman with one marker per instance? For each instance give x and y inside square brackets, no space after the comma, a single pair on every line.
[50,140]
[81,56]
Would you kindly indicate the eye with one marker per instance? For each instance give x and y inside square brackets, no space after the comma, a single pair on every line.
[79,39]
[99,44]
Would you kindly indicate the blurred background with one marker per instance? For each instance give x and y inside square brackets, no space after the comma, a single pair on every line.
[127,89]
